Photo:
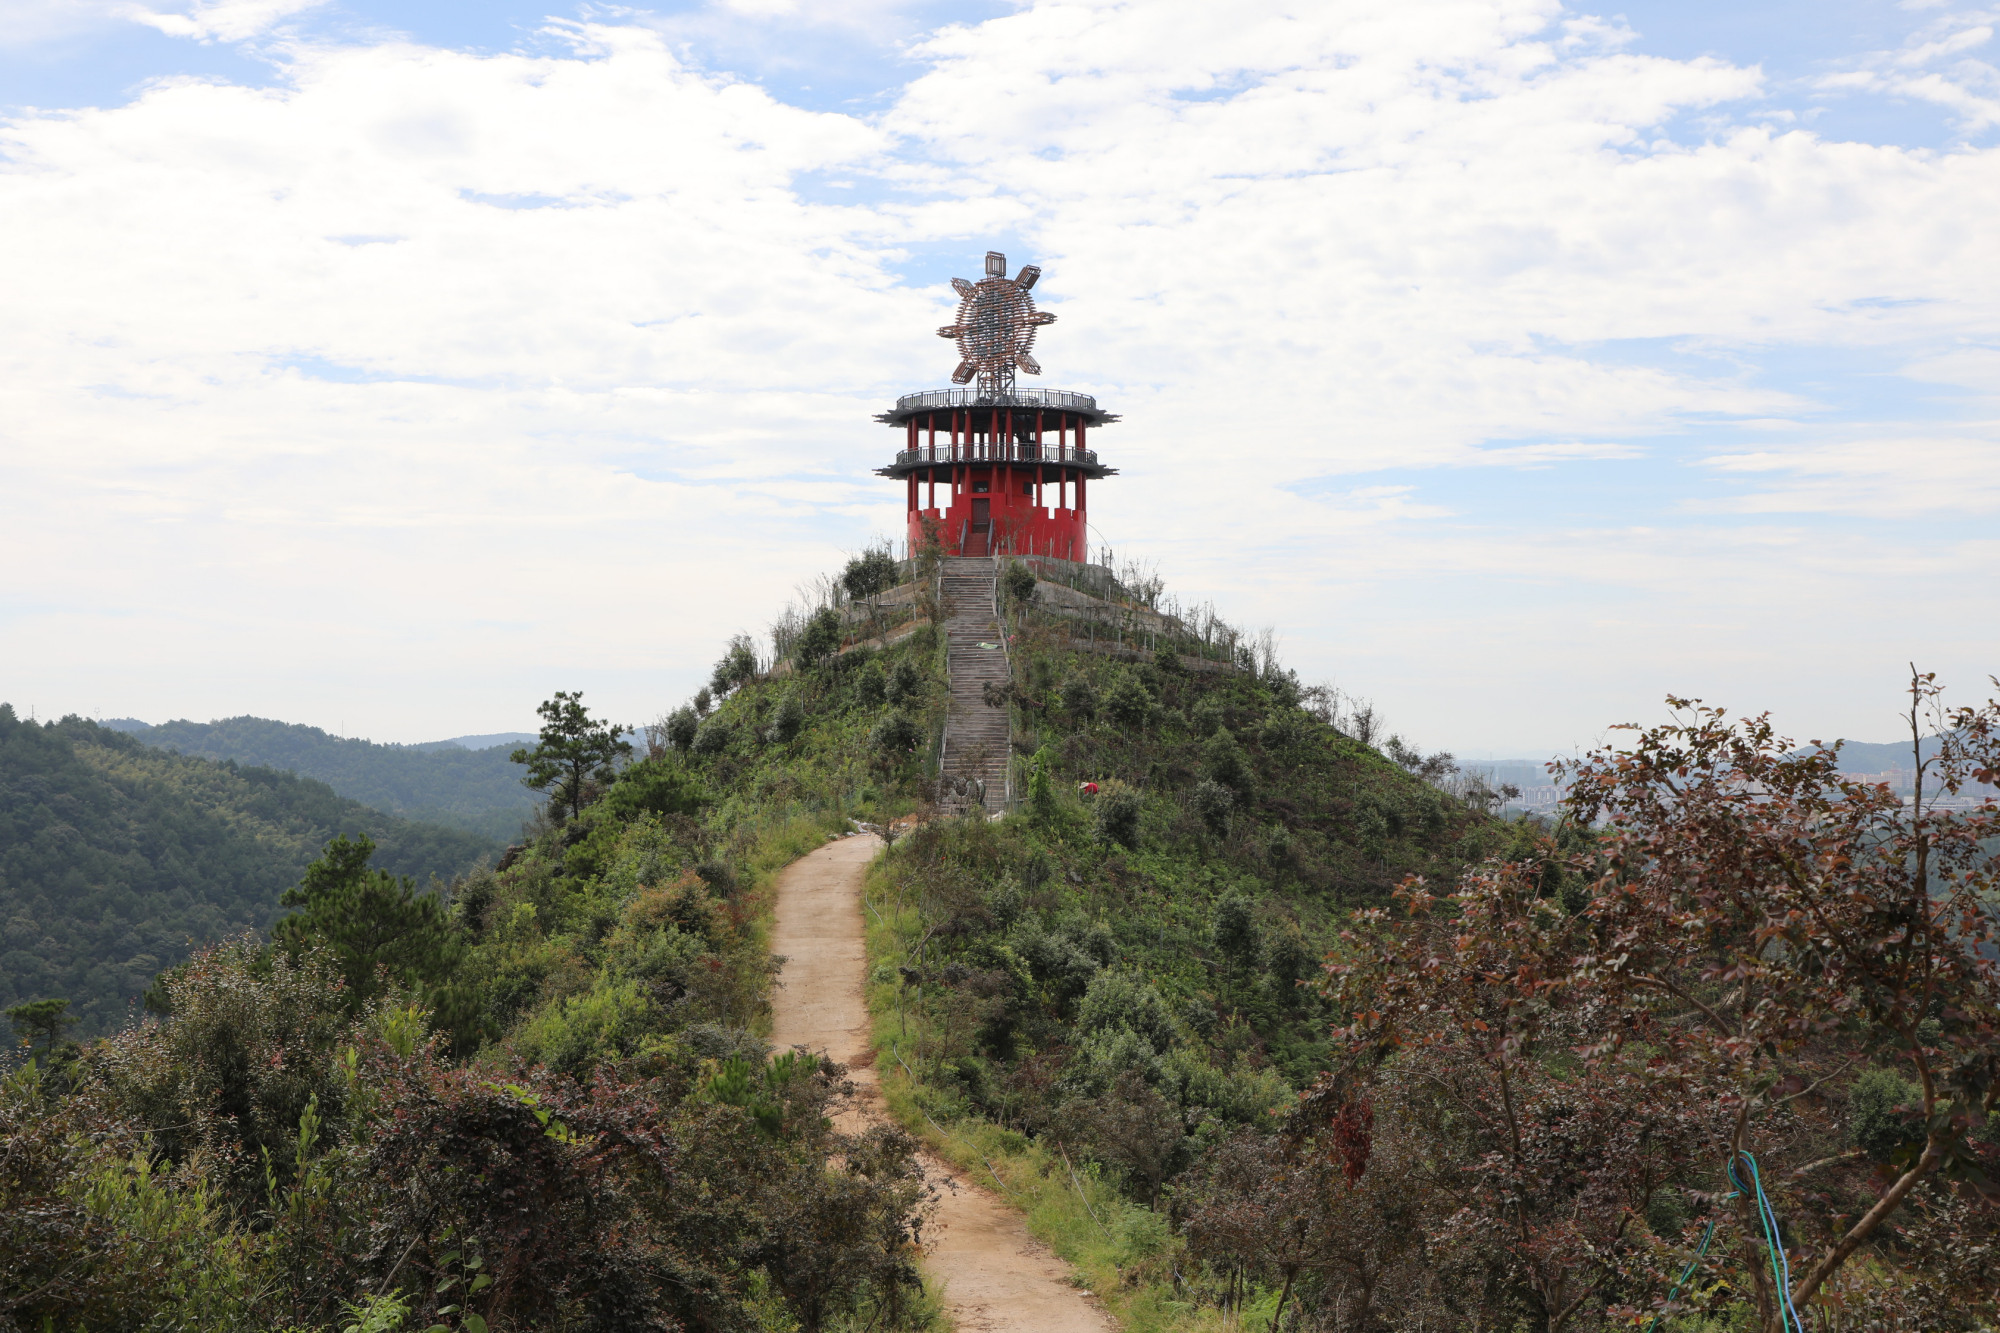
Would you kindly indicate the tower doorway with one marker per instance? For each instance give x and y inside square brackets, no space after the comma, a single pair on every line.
[977,541]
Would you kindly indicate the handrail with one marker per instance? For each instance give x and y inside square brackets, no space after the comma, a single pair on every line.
[1061,398]
[1025,452]
[1007,656]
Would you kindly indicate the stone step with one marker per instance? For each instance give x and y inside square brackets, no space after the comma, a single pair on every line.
[977,737]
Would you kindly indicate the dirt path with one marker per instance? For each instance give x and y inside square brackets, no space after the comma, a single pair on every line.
[997,1279]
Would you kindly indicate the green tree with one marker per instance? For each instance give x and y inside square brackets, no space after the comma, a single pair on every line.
[41,1020]
[789,721]
[1019,582]
[1117,817]
[738,665]
[896,734]
[905,683]
[1129,704]
[575,750]
[682,724]
[819,640]
[371,922]
[867,577]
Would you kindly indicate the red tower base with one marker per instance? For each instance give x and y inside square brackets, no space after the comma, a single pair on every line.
[1008,509]
[987,476]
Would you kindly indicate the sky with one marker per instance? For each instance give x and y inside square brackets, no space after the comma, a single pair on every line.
[388,367]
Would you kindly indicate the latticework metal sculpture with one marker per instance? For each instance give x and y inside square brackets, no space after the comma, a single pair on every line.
[996,327]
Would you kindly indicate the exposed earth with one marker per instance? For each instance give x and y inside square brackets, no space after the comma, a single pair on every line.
[996,1277]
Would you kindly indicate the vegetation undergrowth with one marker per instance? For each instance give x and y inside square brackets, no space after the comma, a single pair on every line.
[1349,1053]
[1262,1026]
[540,1097]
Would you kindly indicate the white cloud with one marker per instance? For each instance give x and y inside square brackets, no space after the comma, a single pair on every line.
[220,20]
[1935,64]
[27,23]
[427,382]
[1877,477]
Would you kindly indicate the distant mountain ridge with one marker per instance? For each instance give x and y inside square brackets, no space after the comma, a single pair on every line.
[116,857]
[439,782]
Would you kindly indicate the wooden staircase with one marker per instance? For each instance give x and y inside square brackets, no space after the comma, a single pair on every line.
[976,736]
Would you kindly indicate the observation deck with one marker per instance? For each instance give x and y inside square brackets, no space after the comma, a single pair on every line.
[912,405]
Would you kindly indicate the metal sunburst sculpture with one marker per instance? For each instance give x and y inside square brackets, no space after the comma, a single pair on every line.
[996,327]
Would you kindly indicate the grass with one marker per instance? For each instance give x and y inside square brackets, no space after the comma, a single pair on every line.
[1122,1252]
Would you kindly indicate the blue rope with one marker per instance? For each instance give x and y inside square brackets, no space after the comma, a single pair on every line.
[1767,1218]
[1774,1250]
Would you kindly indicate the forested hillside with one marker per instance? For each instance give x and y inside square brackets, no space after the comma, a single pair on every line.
[543,1102]
[1262,1028]
[1266,1026]
[116,858]
[475,790]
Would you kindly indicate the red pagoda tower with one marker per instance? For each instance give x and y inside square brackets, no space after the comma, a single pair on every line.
[998,469]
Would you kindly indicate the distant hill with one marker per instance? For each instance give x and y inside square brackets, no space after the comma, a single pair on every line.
[466,783]
[114,855]
[506,740]
[1881,756]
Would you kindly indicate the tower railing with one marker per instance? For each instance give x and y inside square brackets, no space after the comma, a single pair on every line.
[981,451]
[1056,398]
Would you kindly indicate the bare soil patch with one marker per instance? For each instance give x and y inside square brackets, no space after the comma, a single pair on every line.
[997,1278]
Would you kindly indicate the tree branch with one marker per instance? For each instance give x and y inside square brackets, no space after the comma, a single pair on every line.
[1884,1206]
[1716,1019]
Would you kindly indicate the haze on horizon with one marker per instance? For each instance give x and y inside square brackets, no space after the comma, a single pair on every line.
[388,367]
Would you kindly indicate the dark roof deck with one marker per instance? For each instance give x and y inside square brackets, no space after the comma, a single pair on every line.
[1024,452]
[940,400]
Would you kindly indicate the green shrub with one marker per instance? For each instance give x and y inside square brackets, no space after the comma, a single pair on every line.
[713,736]
[1019,582]
[789,720]
[1079,698]
[1213,802]
[1884,1112]
[870,685]
[1128,704]
[905,683]
[738,664]
[660,786]
[1234,930]
[819,640]
[896,734]
[1123,1000]
[682,724]
[1117,817]
[1225,762]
